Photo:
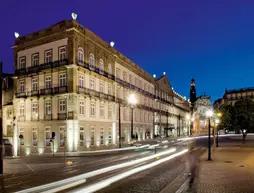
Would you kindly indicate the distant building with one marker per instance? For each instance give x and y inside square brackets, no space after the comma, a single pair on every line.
[230,97]
[202,105]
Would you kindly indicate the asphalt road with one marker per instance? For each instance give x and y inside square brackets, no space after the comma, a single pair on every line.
[172,173]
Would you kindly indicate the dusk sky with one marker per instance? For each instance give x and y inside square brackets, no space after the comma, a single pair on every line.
[211,41]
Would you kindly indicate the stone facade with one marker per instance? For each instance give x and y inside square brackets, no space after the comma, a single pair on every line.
[71,82]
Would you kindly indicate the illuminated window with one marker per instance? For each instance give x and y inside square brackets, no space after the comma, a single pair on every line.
[81,136]
[62,136]
[62,53]
[48,82]
[101,86]
[22,109]
[80,55]
[92,108]
[35,137]
[35,84]
[62,106]
[82,107]
[22,62]
[81,81]
[92,83]
[48,108]
[21,136]
[91,61]
[22,86]
[101,65]
[102,137]
[35,59]
[48,56]
[62,80]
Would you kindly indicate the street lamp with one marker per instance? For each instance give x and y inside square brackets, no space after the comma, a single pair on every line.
[132,100]
[209,114]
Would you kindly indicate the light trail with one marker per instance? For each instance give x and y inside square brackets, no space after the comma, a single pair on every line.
[105,183]
[72,181]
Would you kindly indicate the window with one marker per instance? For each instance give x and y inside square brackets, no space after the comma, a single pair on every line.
[92,108]
[22,86]
[82,107]
[62,53]
[109,137]
[48,56]
[91,61]
[110,89]
[35,137]
[35,110]
[81,81]
[62,106]
[22,109]
[47,136]
[92,83]
[125,76]
[130,79]
[118,73]
[101,87]
[62,80]
[34,84]
[48,109]
[48,82]
[80,55]
[101,65]
[102,109]
[35,59]
[81,136]
[21,139]
[22,62]
[109,68]
[62,136]
[102,137]
[110,111]
[92,136]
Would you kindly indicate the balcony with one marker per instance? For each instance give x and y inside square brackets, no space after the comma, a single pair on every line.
[46,91]
[48,117]
[35,69]
[60,89]
[34,92]
[62,116]
[20,94]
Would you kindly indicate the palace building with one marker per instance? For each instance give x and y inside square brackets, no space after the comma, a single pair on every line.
[70,87]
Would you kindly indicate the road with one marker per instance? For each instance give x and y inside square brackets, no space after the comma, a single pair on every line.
[171,173]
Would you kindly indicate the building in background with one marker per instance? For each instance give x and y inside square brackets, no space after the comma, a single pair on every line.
[230,97]
[70,86]
[200,121]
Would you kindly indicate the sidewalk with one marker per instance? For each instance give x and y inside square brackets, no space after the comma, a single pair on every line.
[230,171]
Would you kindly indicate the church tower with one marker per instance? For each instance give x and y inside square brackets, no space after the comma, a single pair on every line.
[193,95]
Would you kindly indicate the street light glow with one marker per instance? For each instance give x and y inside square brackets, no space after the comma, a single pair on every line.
[209,113]
[132,100]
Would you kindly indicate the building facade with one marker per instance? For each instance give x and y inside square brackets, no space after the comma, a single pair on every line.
[71,87]
[230,97]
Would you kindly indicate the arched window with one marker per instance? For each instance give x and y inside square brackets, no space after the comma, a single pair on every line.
[80,55]
[91,61]
[109,68]
[101,66]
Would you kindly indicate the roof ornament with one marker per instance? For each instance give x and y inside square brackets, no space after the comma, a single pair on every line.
[164,73]
[16,34]
[112,44]
[74,16]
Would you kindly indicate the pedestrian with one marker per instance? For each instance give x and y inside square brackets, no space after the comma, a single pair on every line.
[192,167]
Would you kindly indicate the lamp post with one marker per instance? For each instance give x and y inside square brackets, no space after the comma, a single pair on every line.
[132,101]
[209,114]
